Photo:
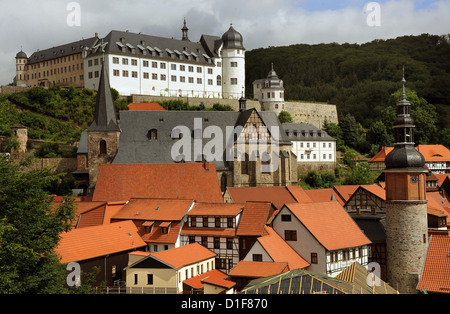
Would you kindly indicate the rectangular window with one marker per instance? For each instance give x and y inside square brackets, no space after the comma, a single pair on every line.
[173,78]
[290,235]
[145,64]
[182,68]
[149,279]
[205,221]
[124,61]
[286,218]
[217,222]
[116,72]
[162,65]
[199,81]
[173,66]
[125,73]
[135,279]
[230,222]
[233,81]
[314,258]
[229,243]
[199,70]
[146,75]
[205,241]
[155,65]
[134,74]
[191,68]
[182,79]
[234,64]
[210,71]
[217,243]
[257,257]
[133,61]
[154,76]
[163,77]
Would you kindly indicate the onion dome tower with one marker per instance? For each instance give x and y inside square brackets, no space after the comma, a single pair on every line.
[233,64]
[406,204]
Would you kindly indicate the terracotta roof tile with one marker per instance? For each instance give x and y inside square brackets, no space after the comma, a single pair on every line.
[121,182]
[330,224]
[280,251]
[258,269]
[381,155]
[254,218]
[215,277]
[436,271]
[320,195]
[90,242]
[434,152]
[216,209]
[342,193]
[184,255]
[154,209]
[278,195]
[146,106]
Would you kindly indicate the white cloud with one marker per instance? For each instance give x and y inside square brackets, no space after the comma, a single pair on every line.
[42,24]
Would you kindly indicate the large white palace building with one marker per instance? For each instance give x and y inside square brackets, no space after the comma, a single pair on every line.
[138,64]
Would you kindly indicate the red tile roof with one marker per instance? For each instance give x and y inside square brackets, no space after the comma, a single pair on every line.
[381,155]
[90,242]
[330,224]
[342,193]
[216,209]
[278,195]
[436,270]
[146,106]
[258,269]
[154,209]
[434,152]
[119,182]
[320,195]
[213,277]
[92,215]
[280,251]
[184,255]
[254,218]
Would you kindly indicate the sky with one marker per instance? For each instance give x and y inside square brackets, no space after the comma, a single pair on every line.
[30,25]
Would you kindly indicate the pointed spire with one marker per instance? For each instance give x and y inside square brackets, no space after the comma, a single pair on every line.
[105,114]
[185,31]
[403,83]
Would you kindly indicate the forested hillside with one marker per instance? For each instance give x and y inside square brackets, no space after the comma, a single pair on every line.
[360,79]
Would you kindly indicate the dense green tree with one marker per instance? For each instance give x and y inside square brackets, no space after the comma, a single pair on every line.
[285,117]
[30,228]
[349,126]
[359,174]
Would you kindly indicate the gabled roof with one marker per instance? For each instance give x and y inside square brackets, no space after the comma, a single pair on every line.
[280,251]
[62,50]
[135,146]
[213,277]
[329,224]
[434,152]
[381,155]
[277,195]
[177,181]
[343,193]
[154,209]
[181,256]
[252,269]
[254,218]
[90,242]
[321,195]
[216,209]
[435,275]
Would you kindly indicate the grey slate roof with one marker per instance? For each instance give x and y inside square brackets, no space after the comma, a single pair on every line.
[306,132]
[105,114]
[62,50]
[139,45]
[136,147]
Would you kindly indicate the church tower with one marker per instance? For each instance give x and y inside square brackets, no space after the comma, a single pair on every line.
[104,132]
[233,64]
[406,204]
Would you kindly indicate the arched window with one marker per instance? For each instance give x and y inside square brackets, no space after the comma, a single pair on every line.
[244,165]
[219,80]
[152,134]
[223,182]
[102,147]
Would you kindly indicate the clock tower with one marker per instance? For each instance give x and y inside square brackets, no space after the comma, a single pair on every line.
[406,204]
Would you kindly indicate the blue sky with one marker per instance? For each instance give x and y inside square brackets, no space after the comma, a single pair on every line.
[33,24]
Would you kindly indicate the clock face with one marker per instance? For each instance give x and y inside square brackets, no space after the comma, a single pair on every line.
[414,179]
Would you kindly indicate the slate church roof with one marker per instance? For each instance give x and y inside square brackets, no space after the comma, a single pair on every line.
[135,146]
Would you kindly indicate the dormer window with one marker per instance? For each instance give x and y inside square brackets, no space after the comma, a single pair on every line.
[148,226]
[165,227]
[152,134]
